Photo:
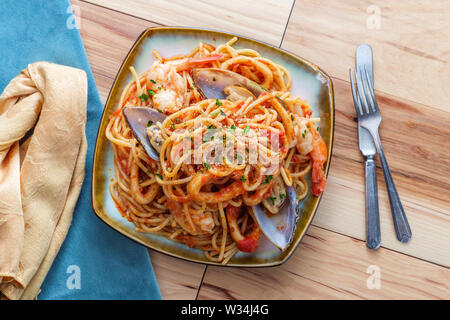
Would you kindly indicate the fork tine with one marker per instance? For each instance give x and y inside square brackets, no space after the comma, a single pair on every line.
[362,97]
[371,92]
[355,97]
[366,90]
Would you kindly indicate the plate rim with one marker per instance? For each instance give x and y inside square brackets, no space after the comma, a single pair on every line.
[98,212]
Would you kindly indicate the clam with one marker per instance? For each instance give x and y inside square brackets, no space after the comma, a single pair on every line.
[223,84]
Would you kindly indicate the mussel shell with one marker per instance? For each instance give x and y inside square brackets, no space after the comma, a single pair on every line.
[137,119]
[212,82]
[279,228]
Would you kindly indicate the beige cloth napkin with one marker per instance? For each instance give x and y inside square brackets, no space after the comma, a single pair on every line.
[40,177]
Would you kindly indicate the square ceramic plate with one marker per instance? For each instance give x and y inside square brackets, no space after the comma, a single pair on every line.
[309,82]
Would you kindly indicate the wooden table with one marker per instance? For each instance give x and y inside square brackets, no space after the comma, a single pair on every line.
[410,40]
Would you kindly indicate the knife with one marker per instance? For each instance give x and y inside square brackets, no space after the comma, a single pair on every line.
[367,147]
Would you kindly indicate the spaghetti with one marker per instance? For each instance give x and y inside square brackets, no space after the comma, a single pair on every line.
[201,191]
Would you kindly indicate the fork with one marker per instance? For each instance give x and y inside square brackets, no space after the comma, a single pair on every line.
[369,117]
[368,150]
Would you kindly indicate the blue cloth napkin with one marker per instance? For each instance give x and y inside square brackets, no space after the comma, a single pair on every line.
[95,262]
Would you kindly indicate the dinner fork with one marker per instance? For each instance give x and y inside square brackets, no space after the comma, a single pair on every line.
[368,150]
[369,117]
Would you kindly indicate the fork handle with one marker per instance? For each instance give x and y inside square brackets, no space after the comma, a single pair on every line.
[401,225]
[373,236]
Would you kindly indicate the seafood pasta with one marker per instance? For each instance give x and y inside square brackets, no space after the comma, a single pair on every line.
[218,158]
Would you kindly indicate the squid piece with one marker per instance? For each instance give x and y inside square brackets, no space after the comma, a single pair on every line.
[246,243]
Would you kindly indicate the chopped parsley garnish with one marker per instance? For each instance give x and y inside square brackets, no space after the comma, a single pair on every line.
[318,128]
[153,81]
[160,111]
[149,123]
[247,149]
[207,166]
[267,179]
[159,88]
[211,126]
[233,127]
[143,97]
[292,117]
[214,78]
[223,113]
[243,178]
[159,176]
[202,171]
[218,103]
[215,114]
[246,129]
[304,134]
[150,92]
[272,199]
[173,126]
[282,196]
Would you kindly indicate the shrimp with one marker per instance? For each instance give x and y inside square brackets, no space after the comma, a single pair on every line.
[304,137]
[199,223]
[189,63]
[204,221]
[319,157]
[246,243]
[201,179]
[168,85]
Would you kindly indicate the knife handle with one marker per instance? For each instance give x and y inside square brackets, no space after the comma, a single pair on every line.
[373,236]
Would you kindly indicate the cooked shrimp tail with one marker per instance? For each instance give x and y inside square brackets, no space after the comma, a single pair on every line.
[319,155]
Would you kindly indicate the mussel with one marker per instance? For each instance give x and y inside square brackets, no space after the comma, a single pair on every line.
[140,119]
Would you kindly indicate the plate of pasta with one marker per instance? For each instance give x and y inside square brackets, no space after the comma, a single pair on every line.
[216,155]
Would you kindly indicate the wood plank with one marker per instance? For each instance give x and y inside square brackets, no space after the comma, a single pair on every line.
[107,36]
[266,22]
[416,144]
[331,266]
[411,47]
[177,279]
